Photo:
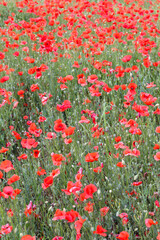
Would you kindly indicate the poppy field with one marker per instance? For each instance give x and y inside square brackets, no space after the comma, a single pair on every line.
[79,119]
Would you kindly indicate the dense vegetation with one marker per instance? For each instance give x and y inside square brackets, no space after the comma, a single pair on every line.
[79,119]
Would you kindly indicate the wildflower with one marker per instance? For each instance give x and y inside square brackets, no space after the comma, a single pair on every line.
[157,156]
[10,213]
[101,231]
[158,129]
[149,222]
[57,238]
[6,229]
[57,159]
[126,58]
[59,215]
[158,237]
[3,150]
[104,211]
[147,98]
[4,79]
[7,191]
[92,157]
[59,126]
[29,143]
[48,181]
[41,171]
[89,207]
[36,153]
[123,236]
[120,164]
[13,179]
[136,183]
[89,190]
[6,166]
[28,237]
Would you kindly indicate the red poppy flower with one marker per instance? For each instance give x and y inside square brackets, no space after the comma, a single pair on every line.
[106,88]
[117,139]
[101,231]
[41,171]
[13,179]
[68,78]
[3,150]
[76,64]
[28,237]
[126,58]
[142,110]
[16,135]
[71,216]
[8,191]
[147,98]
[48,181]
[157,111]
[2,56]
[57,159]
[55,172]
[158,129]
[123,86]
[136,183]
[57,238]
[157,156]
[63,86]
[65,105]
[68,131]
[120,164]
[104,211]
[97,169]
[150,85]
[10,213]
[5,229]
[92,157]
[157,203]
[6,165]
[94,91]
[72,188]
[132,86]
[81,80]
[78,225]
[147,62]
[34,130]
[122,215]
[149,222]
[59,126]
[129,152]
[1,175]
[41,119]
[89,190]
[156,146]
[23,156]
[16,54]
[84,120]
[34,87]
[59,215]
[92,78]
[36,153]
[89,207]
[4,79]
[67,141]
[123,236]
[158,237]
[29,143]
[51,135]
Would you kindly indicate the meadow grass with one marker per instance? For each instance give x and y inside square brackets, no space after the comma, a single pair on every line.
[81,78]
